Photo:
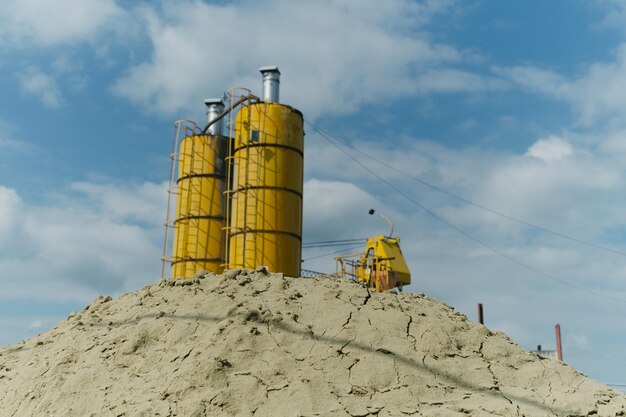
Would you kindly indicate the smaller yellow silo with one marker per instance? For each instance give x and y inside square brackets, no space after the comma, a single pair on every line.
[199,224]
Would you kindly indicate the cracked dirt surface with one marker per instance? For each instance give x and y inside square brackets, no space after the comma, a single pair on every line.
[250,344]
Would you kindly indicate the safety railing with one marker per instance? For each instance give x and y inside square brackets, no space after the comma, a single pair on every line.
[182,129]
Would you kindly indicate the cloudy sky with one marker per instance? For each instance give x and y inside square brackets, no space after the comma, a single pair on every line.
[516,107]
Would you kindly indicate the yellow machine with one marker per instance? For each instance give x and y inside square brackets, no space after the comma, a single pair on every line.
[380,266]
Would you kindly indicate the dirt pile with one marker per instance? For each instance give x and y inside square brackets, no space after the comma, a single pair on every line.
[247,343]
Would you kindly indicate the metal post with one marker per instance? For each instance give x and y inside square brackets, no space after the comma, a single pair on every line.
[480,313]
[559,349]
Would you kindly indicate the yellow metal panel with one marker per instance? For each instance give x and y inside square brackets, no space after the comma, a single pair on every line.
[390,249]
[197,247]
[266,206]
[268,210]
[271,166]
[277,252]
[198,233]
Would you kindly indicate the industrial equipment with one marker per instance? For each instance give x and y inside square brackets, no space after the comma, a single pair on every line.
[266,196]
[239,197]
[200,214]
[380,266]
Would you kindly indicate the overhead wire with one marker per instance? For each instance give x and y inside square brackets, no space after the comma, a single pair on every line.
[329,243]
[336,252]
[459,230]
[334,241]
[470,202]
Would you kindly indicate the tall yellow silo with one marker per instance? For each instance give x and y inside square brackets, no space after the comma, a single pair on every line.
[265,225]
[200,215]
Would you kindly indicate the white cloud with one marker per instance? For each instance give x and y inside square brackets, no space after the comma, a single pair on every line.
[334,55]
[80,246]
[615,13]
[28,27]
[10,204]
[336,210]
[570,196]
[578,341]
[595,94]
[17,326]
[537,79]
[36,324]
[443,80]
[552,148]
[613,141]
[123,202]
[8,143]
[34,82]
[55,22]
[14,150]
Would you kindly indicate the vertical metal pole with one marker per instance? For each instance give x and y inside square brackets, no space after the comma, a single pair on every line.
[559,349]
[480,313]
[229,180]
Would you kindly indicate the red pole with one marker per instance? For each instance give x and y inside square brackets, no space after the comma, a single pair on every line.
[480,313]
[559,349]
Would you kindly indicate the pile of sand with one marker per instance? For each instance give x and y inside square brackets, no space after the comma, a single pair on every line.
[246,343]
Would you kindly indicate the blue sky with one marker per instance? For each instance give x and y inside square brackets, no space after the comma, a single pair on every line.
[517,106]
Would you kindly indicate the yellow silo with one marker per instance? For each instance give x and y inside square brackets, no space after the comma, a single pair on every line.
[200,216]
[265,225]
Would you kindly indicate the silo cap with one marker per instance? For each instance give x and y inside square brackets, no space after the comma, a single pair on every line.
[269,68]
[212,101]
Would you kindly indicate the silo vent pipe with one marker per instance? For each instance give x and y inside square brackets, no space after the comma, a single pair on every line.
[215,107]
[231,107]
[271,83]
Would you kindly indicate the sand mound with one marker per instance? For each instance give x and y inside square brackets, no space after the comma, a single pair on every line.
[246,343]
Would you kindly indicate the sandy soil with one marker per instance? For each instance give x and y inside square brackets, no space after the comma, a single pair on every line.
[246,343]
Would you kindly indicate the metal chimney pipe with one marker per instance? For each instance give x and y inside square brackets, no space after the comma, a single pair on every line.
[271,84]
[480,313]
[215,107]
